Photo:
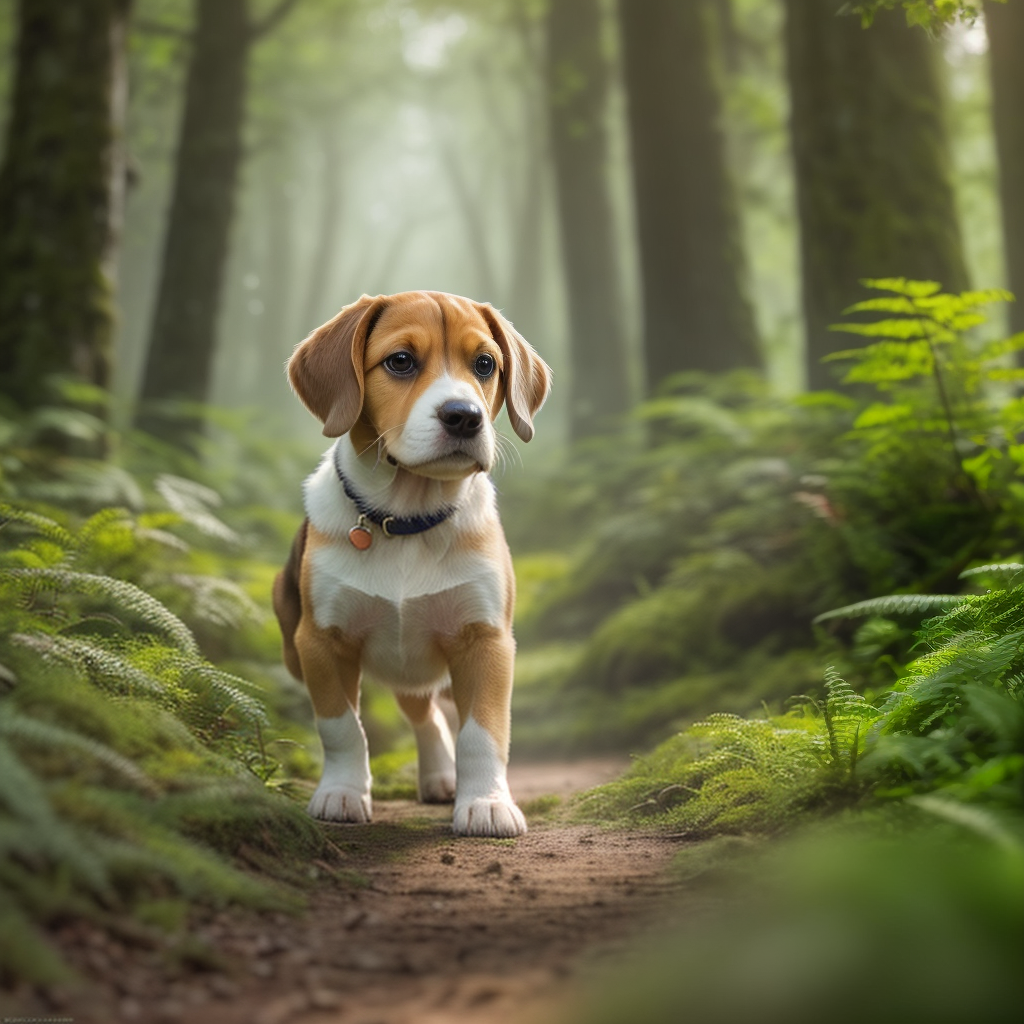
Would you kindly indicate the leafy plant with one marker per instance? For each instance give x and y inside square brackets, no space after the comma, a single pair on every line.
[699,551]
[929,14]
[728,774]
[953,724]
[129,764]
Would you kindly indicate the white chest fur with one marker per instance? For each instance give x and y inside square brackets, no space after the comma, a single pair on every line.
[398,597]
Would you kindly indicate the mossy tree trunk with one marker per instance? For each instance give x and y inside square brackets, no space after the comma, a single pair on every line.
[578,81]
[61,193]
[1006,60]
[872,164]
[180,357]
[179,361]
[697,315]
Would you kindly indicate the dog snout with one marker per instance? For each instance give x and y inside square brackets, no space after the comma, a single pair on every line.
[461,418]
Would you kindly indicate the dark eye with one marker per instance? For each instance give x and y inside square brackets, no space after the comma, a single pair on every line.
[400,363]
[483,366]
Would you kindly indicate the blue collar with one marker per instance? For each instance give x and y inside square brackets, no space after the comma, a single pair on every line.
[392,526]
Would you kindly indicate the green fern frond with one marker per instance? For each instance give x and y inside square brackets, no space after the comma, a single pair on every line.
[43,525]
[1001,570]
[15,726]
[904,329]
[192,501]
[125,596]
[45,836]
[223,691]
[218,600]
[103,520]
[896,604]
[103,665]
[902,286]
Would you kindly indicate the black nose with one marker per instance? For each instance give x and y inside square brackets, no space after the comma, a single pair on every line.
[460,418]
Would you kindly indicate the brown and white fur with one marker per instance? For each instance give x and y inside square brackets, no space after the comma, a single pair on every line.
[423,612]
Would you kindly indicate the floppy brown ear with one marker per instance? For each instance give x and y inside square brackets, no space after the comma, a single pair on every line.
[527,376]
[326,370]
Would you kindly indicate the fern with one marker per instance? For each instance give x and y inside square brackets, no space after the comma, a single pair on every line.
[192,501]
[127,598]
[111,703]
[43,525]
[1000,571]
[725,774]
[33,732]
[104,664]
[895,604]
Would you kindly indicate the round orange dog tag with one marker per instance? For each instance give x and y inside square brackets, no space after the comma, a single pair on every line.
[360,537]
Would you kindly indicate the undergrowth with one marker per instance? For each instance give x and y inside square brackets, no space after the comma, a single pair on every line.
[696,552]
[148,745]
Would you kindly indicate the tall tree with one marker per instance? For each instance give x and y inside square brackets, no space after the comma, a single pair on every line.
[578,80]
[61,193]
[696,312]
[179,363]
[1005,22]
[872,164]
[318,300]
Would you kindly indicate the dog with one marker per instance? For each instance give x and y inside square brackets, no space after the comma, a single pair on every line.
[401,568]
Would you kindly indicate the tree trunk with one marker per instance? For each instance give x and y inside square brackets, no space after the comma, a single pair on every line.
[277,338]
[320,304]
[61,194]
[1006,61]
[577,76]
[180,359]
[528,192]
[872,164]
[696,312]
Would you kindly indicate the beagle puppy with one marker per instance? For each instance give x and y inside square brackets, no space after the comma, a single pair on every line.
[401,568]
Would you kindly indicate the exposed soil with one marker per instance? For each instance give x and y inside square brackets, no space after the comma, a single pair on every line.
[427,928]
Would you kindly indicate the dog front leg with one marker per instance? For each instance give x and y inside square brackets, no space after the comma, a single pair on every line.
[481,660]
[331,672]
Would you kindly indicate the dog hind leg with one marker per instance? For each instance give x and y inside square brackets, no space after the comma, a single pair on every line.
[434,746]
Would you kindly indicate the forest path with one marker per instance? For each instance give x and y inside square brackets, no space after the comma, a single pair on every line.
[446,929]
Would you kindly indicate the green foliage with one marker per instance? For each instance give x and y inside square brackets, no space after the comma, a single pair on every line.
[929,14]
[132,768]
[729,774]
[955,719]
[725,774]
[893,604]
[698,550]
[916,918]
[952,724]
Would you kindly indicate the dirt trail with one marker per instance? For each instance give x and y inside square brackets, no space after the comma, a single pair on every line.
[443,929]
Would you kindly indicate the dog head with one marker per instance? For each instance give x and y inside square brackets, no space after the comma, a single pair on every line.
[423,374]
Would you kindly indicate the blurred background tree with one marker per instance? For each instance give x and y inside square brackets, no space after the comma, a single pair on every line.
[179,358]
[62,195]
[1006,35]
[578,75]
[695,309]
[872,163]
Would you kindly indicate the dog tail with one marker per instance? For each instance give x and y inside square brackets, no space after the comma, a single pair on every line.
[288,600]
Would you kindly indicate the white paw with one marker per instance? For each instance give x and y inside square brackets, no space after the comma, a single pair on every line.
[340,803]
[489,816]
[437,787]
